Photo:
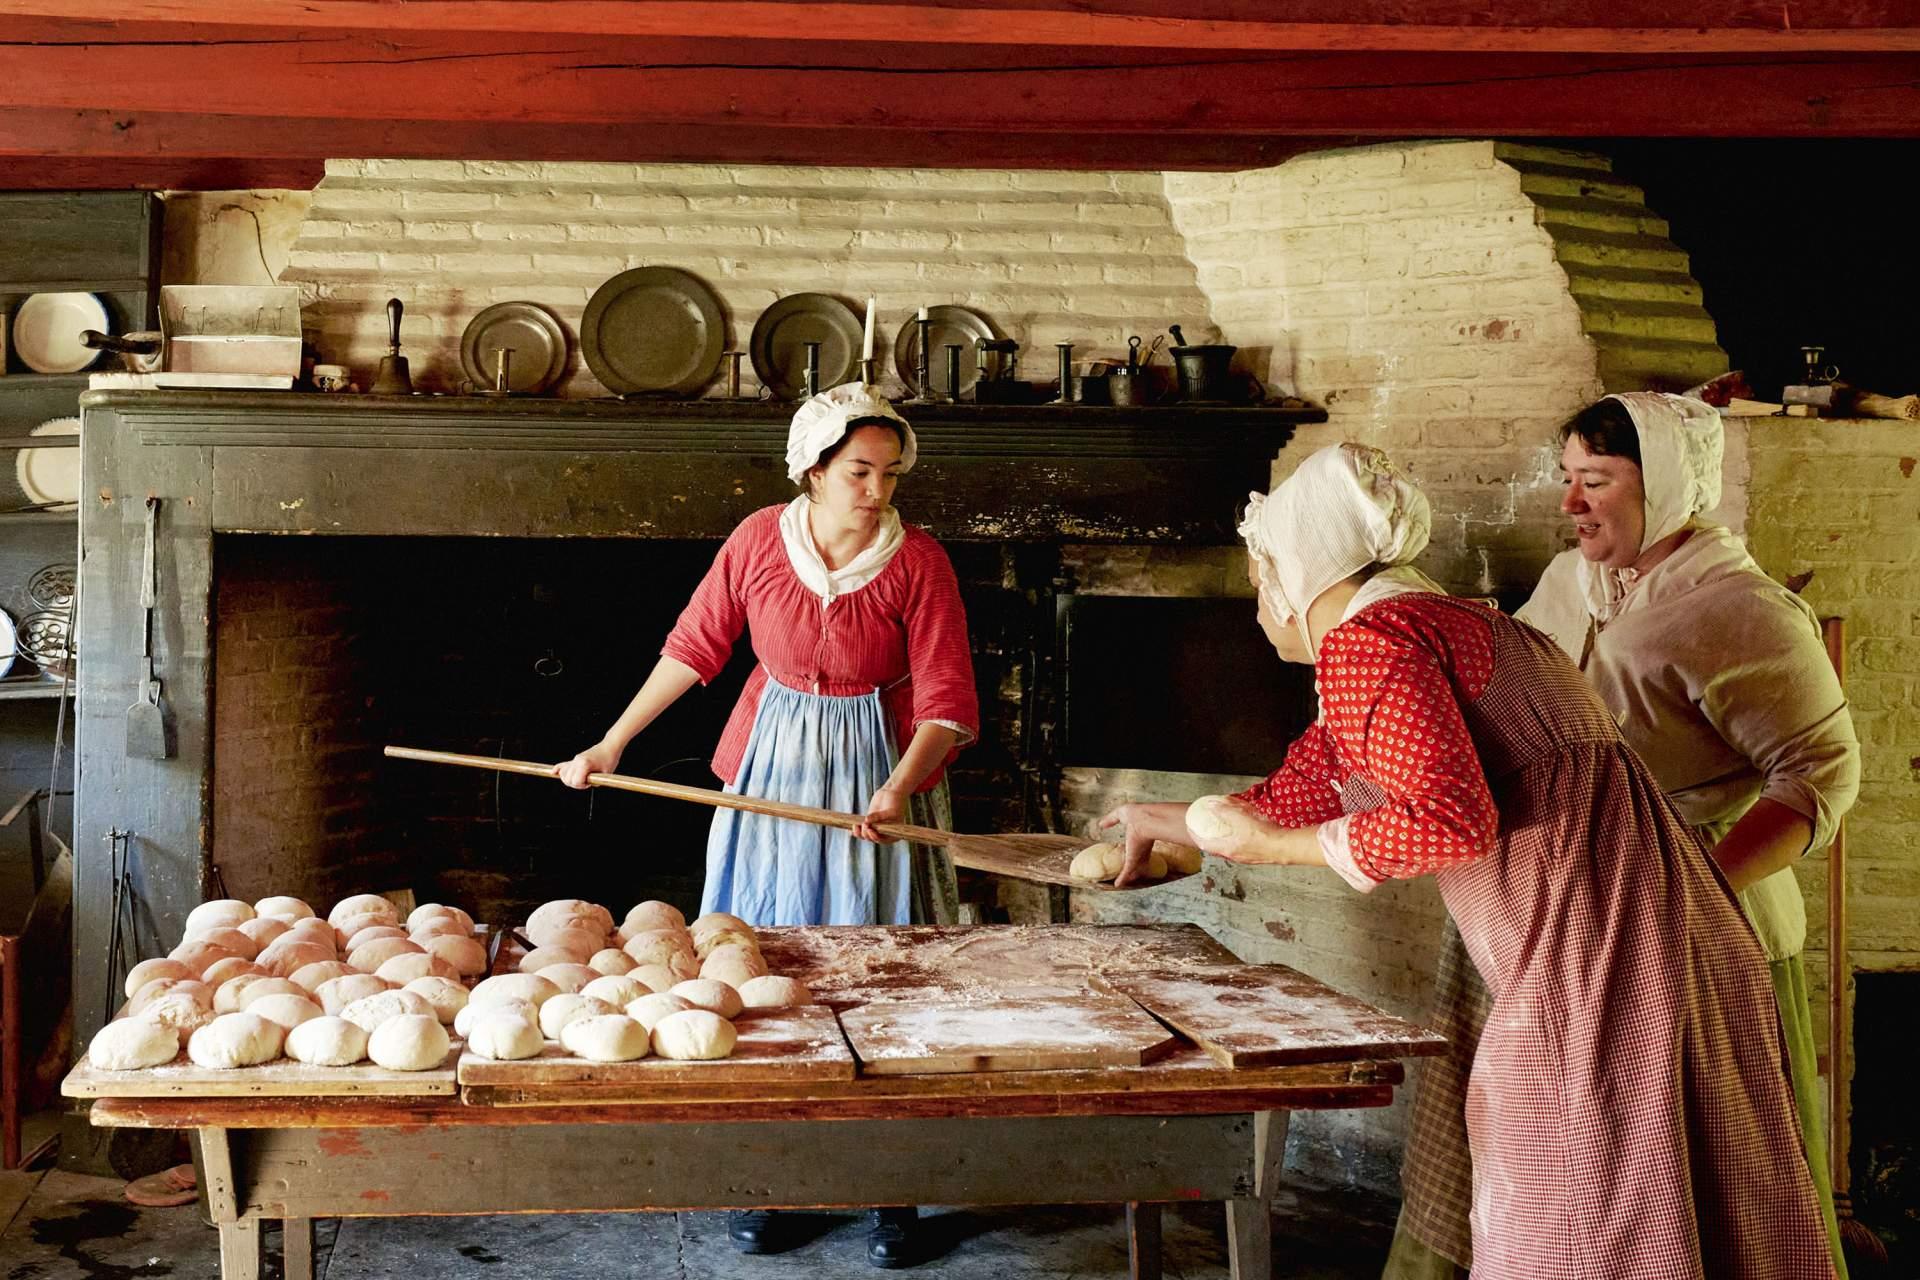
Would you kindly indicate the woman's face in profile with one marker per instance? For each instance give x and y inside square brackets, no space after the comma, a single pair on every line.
[1283,635]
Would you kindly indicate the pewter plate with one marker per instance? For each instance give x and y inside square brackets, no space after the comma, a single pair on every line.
[778,346]
[950,324]
[653,330]
[533,333]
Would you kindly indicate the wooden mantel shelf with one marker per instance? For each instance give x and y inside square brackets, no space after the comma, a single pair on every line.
[298,463]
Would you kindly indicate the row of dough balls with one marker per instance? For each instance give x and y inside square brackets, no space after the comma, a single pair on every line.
[1104,861]
[653,943]
[211,984]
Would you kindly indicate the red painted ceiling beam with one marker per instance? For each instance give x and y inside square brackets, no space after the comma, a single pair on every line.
[1458,26]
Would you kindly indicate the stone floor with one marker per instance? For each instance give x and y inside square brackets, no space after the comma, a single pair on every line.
[63,1226]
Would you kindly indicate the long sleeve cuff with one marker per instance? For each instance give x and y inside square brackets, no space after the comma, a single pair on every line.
[1337,847]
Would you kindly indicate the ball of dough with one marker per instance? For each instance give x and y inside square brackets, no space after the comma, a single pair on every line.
[353,926]
[227,997]
[718,920]
[568,977]
[327,1041]
[446,995]
[658,946]
[374,1011]
[232,967]
[416,964]
[563,911]
[463,1021]
[197,954]
[733,965]
[232,939]
[649,1009]
[408,1041]
[771,991]
[311,976]
[269,987]
[708,994]
[510,986]
[311,929]
[178,1010]
[284,908]
[466,954]
[363,904]
[361,937]
[695,1035]
[616,990]
[581,942]
[1097,862]
[664,977]
[288,1011]
[337,993]
[540,957]
[438,911]
[505,1036]
[186,988]
[288,954]
[708,943]
[263,930]
[653,915]
[1183,858]
[222,913]
[567,1007]
[236,1040]
[438,927]
[131,1044]
[611,960]
[153,970]
[608,1038]
[369,958]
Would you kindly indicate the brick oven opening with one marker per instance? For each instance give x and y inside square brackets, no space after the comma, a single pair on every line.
[1885,1149]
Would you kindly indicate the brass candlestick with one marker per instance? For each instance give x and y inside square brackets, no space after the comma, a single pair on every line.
[866,371]
[1066,372]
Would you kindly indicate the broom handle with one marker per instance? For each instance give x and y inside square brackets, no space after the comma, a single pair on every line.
[678,791]
[1839,1136]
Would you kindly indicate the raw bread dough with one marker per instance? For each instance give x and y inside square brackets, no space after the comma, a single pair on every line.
[337,993]
[540,957]
[376,953]
[718,920]
[504,1035]
[186,988]
[707,943]
[659,946]
[569,977]
[236,1040]
[153,970]
[567,1007]
[363,904]
[438,927]
[506,986]
[714,996]
[611,960]
[1212,818]
[263,929]
[408,1041]
[695,1035]
[733,965]
[226,998]
[221,913]
[653,915]
[375,1011]
[178,1010]
[1183,858]
[466,954]
[445,994]
[131,1044]
[562,910]
[285,908]
[290,953]
[615,990]
[269,987]
[361,937]
[771,991]
[288,1011]
[649,1009]
[312,929]
[582,941]
[327,1041]
[415,964]
[232,939]
[438,911]
[608,1038]
[232,967]
[312,975]
[463,1021]
[1098,862]
[197,954]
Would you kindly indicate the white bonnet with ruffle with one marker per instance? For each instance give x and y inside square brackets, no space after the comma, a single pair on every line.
[822,419]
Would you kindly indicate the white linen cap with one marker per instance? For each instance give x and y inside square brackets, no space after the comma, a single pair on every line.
[822,419]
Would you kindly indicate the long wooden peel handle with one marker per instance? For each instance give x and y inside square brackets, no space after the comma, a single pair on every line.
[679,791]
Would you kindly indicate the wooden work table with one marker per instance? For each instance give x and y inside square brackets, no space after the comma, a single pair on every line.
[1182,1127]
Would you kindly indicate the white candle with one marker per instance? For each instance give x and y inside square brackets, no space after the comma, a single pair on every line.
[923,313]
[866,352]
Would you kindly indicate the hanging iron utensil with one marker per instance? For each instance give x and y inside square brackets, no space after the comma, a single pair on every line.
[1133,354]
[147,737]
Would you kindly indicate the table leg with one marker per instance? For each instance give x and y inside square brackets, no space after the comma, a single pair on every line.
[296,1248]
[1143,1241]
[240,1250]
[1250,1219]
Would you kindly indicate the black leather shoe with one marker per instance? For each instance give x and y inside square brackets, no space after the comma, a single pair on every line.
[891,1237]
[752,1230]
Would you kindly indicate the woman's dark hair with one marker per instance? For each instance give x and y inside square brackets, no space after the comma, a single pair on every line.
[1605,427]
[804,484]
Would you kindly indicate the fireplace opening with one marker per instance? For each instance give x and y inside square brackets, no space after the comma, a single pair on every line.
[1884,1156]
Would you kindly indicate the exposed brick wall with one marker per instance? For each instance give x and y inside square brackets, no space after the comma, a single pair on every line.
[1048,256]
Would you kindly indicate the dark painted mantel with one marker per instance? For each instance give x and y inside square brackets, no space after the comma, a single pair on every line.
[284,463]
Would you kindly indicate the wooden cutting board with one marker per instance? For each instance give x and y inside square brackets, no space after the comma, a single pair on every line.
[1270,1016]
[1021,1033]
[778,1045]
[281,1078]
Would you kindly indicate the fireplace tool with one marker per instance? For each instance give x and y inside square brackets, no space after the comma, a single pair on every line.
[1040,856]
[147,737]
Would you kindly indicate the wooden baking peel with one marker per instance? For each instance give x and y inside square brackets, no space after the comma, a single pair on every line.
[1039,856]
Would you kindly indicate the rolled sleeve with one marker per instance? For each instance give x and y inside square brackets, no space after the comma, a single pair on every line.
[1336,846]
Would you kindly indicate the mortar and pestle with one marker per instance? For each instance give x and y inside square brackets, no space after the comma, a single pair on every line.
[1205,370]
[393,378]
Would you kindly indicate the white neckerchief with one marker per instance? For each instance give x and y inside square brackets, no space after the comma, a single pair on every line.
[829,584]
[1398,581]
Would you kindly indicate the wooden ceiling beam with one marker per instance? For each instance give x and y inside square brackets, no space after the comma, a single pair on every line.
[1404,26]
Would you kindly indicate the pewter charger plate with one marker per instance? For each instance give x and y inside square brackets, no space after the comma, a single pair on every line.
[532,332]
[653,329]
[780,336]
[949,324]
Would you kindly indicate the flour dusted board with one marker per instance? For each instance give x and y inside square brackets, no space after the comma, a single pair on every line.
[778,1045]
[281,1078]
[937,1037]
[1270,1016]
